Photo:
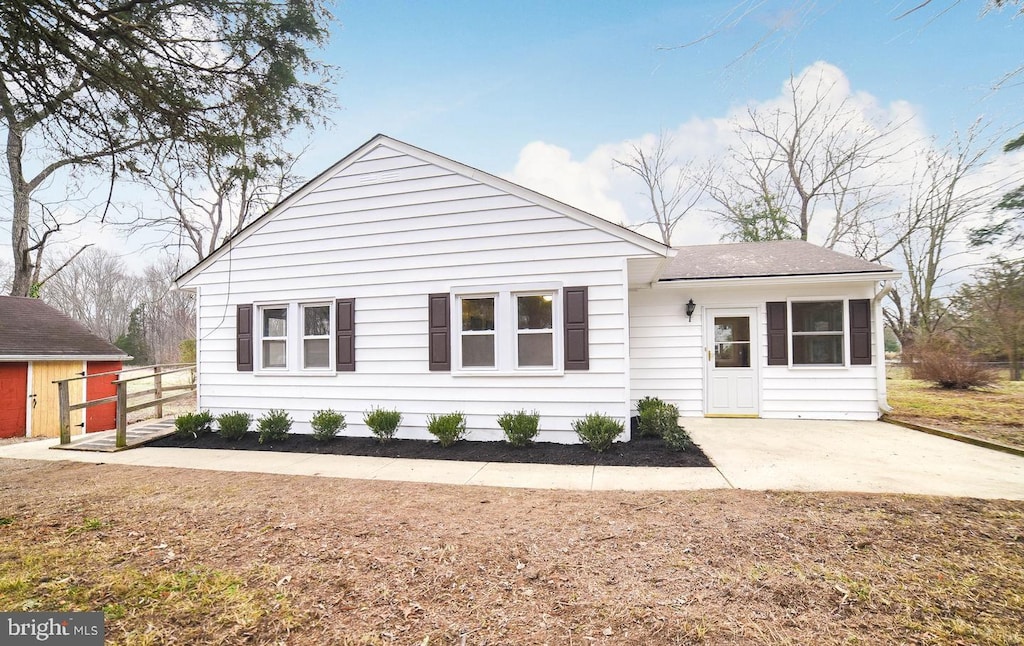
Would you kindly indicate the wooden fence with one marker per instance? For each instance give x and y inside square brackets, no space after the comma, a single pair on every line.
[159,391]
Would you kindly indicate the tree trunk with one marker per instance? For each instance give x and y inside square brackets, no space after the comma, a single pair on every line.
[20,196]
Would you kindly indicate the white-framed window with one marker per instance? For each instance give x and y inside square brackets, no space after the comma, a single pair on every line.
[477,332]
[296,337]
[818,332]
[507,330]
[316,336]
[535,334]
[274,337]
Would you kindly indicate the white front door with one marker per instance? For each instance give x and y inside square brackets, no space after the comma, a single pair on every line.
[731,358]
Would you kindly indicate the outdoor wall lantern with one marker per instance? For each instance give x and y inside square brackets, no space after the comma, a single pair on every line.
[690,306]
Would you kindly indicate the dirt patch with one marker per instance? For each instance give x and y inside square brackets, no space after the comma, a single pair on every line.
[175,556]
[647,452]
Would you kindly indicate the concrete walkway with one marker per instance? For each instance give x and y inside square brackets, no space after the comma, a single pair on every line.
[748,454]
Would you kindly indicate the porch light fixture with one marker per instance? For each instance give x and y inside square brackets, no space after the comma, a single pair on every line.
[690,306]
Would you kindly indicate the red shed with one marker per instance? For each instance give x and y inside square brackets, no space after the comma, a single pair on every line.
[39,344]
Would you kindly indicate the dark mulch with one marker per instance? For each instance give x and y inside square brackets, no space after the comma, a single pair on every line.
[638,452]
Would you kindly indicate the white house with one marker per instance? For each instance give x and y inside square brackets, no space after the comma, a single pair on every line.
[403,279]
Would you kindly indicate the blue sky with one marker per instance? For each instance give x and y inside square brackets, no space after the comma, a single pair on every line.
[478,81]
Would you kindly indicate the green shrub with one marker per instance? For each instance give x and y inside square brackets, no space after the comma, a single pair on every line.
[597,431]
[448,429]
[193,424]
[274,426]
[647,416]
[234,425]
[677,438]
[520,427]
[658,419]
[326,424]
[383,423]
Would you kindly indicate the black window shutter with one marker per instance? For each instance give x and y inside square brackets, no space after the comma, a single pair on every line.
[439,332]
[345,334]
[243,338]
[860,332]
[577,333]
[778,348]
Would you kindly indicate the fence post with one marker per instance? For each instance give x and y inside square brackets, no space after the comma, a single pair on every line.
[159,391]
[121,440]
[64,397]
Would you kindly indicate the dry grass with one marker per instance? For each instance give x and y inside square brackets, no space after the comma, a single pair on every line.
[995,413]
[187,557]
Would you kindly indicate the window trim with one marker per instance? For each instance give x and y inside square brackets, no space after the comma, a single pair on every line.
[303,337]
[262,338]
[295,337]
[506,328]
[844,334]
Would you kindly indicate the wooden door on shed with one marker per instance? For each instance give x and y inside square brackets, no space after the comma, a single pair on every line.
[46,411]
[13,398]
[104,416]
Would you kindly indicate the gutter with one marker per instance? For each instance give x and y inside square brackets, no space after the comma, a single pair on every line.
[882,395]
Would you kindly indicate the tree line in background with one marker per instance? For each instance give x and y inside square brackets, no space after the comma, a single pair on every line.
[136,311]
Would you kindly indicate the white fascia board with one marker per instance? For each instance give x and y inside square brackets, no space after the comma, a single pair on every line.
[647,244]
[8,358]
[812,279]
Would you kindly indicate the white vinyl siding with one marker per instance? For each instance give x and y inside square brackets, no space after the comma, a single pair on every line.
[668,353]
[388,230]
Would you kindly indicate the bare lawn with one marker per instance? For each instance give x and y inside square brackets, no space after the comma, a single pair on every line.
[995,413]
[174,556]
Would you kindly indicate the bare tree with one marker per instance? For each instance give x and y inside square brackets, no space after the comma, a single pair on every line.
[170,314]
[95,288]
[813,158]
[213,196]
[931,219]
[673,189]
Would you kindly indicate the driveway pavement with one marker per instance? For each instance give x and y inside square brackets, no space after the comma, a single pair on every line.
[808,455]
[756,454]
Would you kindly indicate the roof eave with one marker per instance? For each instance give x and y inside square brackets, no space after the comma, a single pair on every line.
[786,279]
[8,358]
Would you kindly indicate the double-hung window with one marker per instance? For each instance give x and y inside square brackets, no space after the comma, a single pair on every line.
[817,333]
[507,330]
[535,335]
[296,336]
[478,332]
[316,336]
[274,329]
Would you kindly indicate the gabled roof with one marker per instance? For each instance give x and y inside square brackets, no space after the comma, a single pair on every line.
[642,241]
[764,260]
[31,329]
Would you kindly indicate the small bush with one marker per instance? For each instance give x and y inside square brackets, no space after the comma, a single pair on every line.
[652,415]
[234,425]
[383,423]
[520,427]
[193,424]
[448,429]
[326,424]
[597,431]
[274,426]
[677,438]
[948,365]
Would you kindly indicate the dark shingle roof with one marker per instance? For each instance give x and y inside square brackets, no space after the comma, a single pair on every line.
[763,260]
[30,327]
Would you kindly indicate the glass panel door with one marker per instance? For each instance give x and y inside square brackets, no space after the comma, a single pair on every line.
[732,341]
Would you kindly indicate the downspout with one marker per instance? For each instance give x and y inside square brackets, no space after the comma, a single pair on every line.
[876,305]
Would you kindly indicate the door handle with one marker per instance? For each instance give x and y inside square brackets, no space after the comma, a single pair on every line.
[709,355]
[34,402]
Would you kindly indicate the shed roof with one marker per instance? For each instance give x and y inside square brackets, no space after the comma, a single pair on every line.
[764,260]
[31,328]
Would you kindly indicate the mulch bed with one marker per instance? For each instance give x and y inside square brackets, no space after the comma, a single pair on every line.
[638,452]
